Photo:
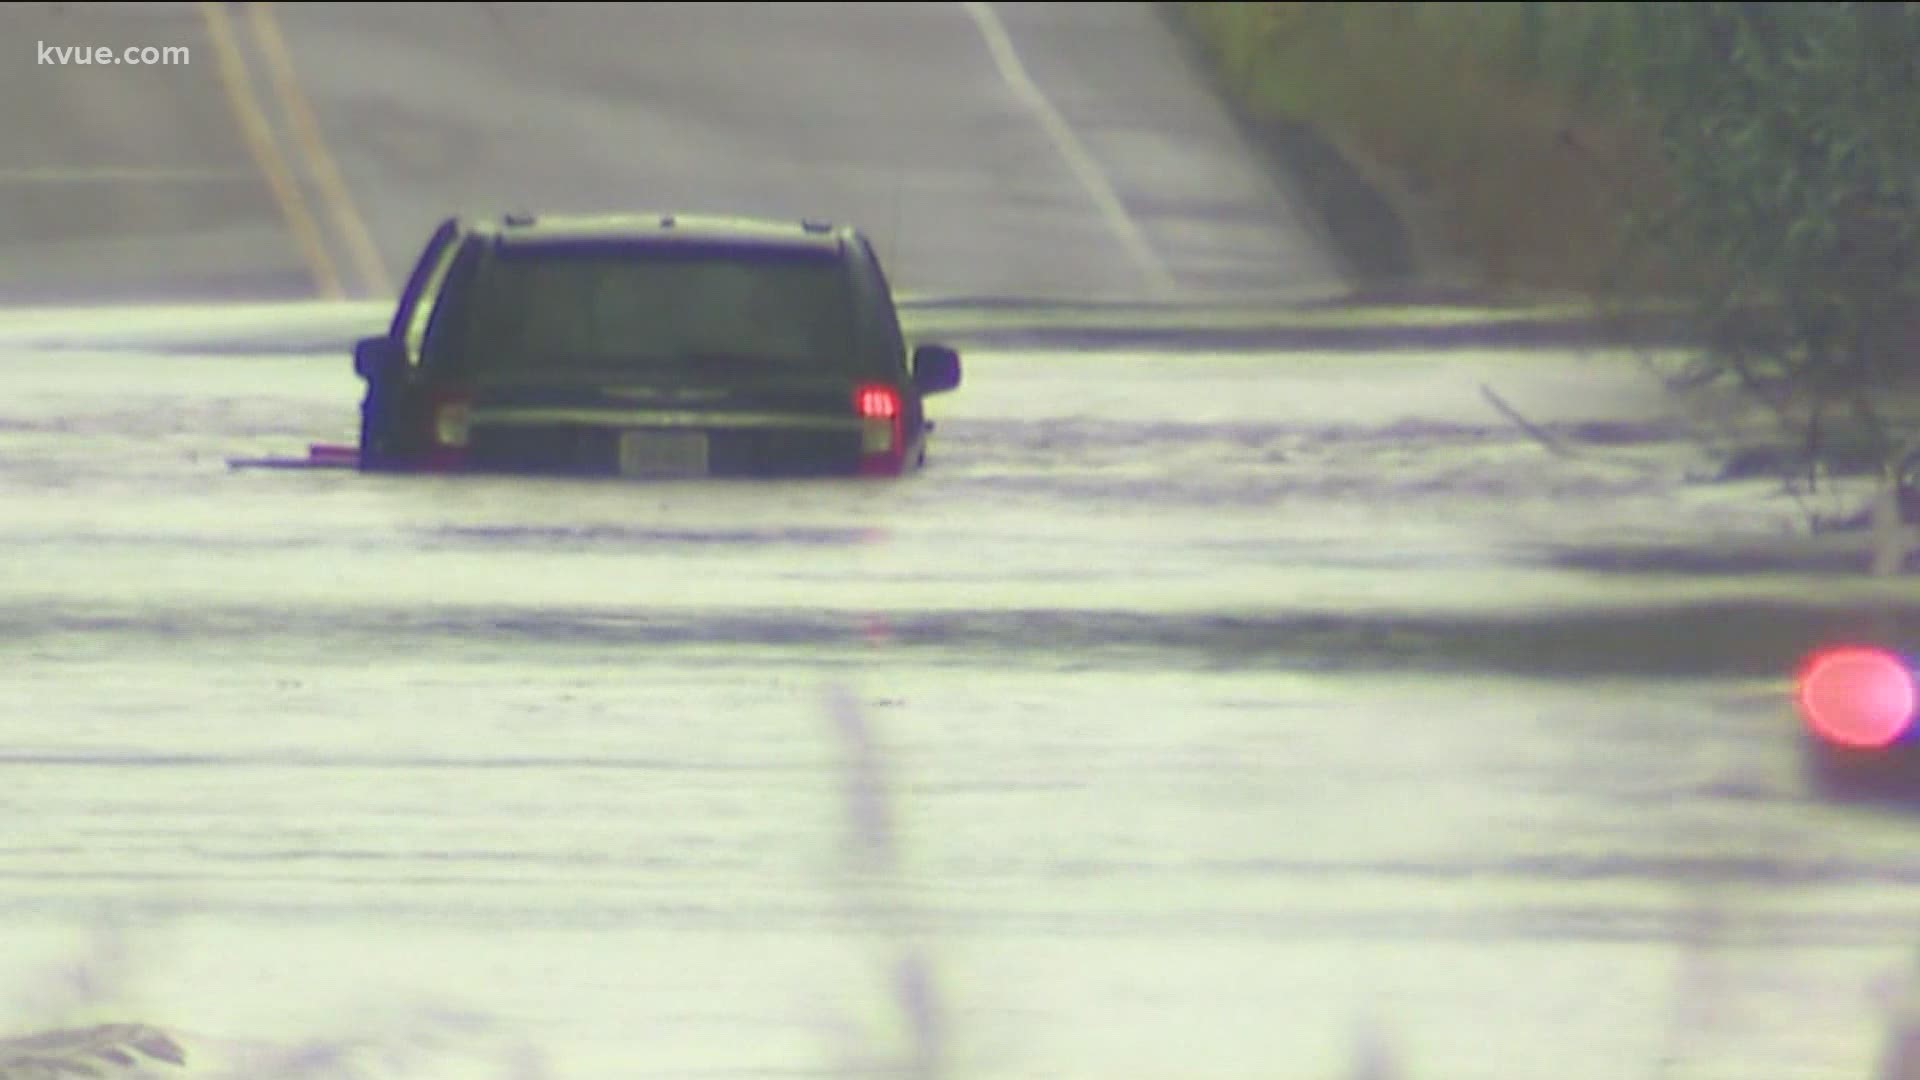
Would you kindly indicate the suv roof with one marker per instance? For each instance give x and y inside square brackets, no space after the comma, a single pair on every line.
[514,229]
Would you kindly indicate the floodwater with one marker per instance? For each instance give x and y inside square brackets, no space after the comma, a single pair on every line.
[1093,751]
[1195,715]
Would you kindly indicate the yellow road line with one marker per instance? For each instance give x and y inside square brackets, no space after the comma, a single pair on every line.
[259,135]
[326,174]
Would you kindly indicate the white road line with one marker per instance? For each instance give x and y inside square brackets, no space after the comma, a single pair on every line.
[1014,73]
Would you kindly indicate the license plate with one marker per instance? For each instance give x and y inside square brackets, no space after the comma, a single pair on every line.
[663,453]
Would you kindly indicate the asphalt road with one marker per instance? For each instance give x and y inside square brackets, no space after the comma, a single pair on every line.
[308,149]
[1103,749]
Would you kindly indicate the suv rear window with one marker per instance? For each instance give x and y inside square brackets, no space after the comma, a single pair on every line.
[637,305]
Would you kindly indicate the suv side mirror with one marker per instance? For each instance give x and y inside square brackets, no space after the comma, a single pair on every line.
[378,358]
[936,368]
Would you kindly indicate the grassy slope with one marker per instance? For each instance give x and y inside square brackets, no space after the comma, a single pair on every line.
[1479,160]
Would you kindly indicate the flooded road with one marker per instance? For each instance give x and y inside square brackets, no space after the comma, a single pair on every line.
[1194,714]
[1111,727]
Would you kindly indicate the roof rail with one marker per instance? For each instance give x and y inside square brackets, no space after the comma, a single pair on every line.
[815,225]
[517,218]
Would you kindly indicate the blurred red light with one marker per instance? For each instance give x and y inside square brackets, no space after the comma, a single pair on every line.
[1857,697]
[877,402]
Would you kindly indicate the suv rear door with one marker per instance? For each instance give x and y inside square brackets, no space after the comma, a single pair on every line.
[409,326]
[387,411]
[883,345]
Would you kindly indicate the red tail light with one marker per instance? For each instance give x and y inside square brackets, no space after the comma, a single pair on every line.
[877,401]
[1857,697]
[449,423]
[881,438]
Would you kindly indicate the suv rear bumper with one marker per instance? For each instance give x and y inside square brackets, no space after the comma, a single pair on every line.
[575,449]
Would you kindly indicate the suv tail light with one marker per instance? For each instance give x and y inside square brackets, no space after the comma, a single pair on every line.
[878,406]
[449,423]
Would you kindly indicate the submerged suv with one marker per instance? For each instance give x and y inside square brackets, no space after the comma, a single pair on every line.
[647,347]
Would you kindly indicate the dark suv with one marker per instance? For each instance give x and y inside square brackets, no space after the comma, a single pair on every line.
[647,346]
